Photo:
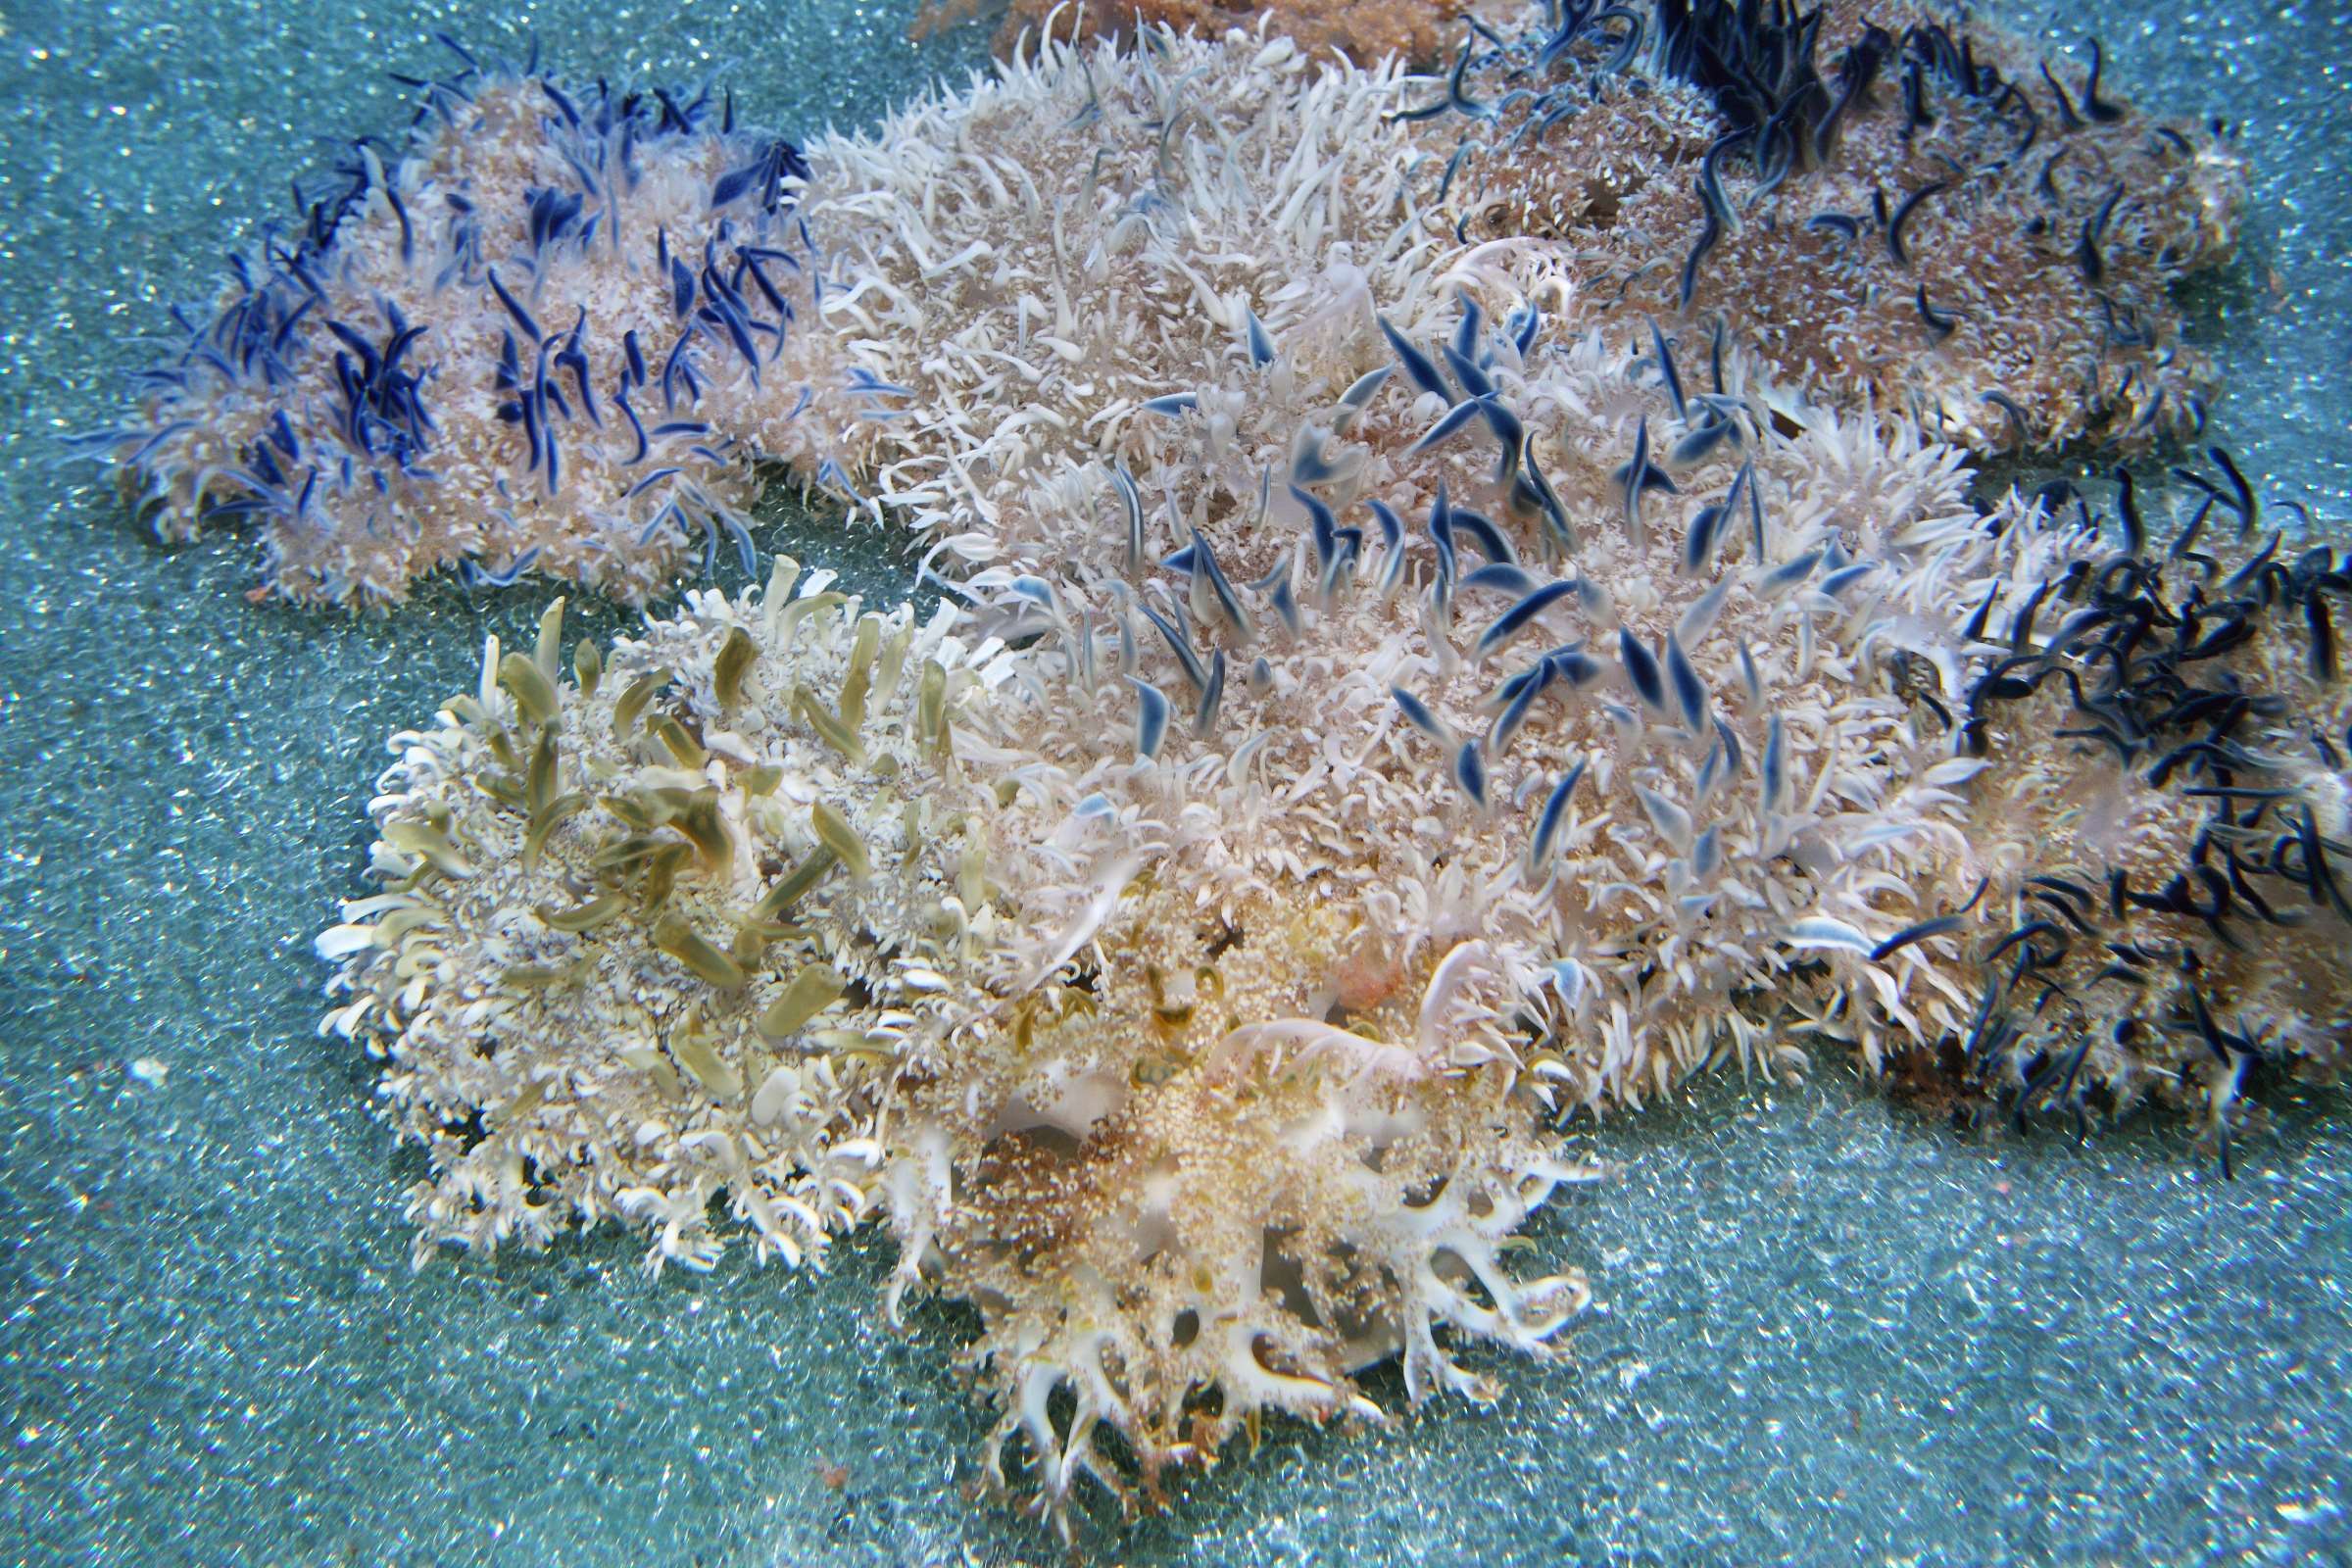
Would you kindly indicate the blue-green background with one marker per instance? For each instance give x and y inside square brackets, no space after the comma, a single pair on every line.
[1834,1333]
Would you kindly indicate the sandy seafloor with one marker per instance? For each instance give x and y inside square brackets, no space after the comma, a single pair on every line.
[1834,1333]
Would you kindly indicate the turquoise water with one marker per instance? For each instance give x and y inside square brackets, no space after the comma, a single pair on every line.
[1833,1332]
